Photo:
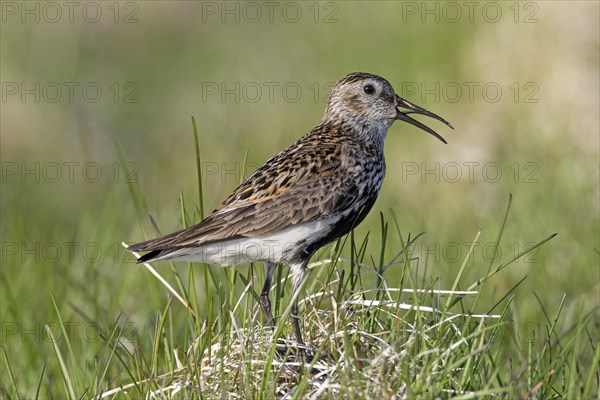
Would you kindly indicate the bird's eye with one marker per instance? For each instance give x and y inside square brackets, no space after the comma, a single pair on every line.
[369,89]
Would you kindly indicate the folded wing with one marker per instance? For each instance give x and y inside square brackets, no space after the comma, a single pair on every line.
[301,184]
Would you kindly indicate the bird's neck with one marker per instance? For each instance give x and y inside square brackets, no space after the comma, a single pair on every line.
[368,133]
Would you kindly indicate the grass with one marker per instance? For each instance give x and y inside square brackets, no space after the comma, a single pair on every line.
[375,327]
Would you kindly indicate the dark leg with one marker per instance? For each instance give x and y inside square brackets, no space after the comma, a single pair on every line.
[265,303]
[297,271]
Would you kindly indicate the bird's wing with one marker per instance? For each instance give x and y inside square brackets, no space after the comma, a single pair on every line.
[303,183]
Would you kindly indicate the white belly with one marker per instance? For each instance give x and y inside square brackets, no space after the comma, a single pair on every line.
[276,247]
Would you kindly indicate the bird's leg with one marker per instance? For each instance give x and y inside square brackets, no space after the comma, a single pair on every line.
[297,332]
[297,278]
[265,303]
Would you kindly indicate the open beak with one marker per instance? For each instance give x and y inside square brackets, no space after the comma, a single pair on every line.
[409,108]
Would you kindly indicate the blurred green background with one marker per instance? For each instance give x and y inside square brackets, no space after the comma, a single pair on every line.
[96,105]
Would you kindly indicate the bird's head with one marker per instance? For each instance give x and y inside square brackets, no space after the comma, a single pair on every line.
[369,103]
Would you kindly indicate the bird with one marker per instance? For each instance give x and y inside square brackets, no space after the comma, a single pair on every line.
[308,195]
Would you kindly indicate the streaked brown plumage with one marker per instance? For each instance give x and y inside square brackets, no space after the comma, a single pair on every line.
[310,194]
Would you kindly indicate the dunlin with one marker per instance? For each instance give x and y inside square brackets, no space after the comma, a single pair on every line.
[305,197]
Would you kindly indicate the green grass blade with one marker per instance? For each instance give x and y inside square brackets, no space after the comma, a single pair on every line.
[76,371]
[450,301]
[63,367]
[39,384]
[510,261]
[593,375]
[15,391]
[198,169]
[160,327]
